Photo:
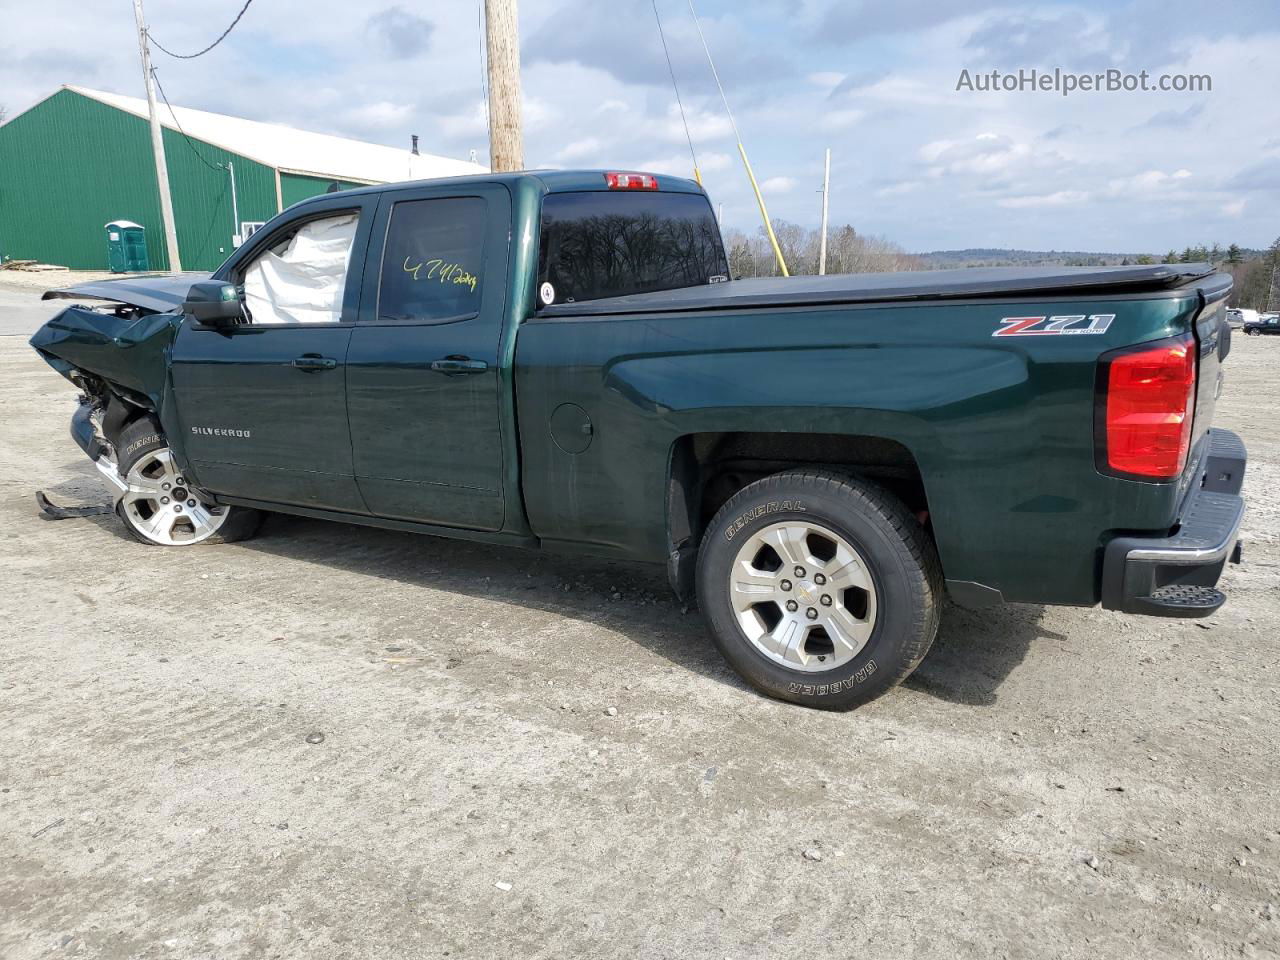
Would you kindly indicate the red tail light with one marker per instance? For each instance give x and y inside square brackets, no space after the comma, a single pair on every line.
[1146,403]
[630,181]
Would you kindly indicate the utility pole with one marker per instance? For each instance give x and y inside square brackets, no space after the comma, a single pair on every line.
[157,144]
[502,47]
[826,184]
[236,239]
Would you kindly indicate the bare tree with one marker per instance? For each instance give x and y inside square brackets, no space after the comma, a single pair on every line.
[847,252]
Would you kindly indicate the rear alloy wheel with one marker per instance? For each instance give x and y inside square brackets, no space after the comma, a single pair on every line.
[819,587]
[803,596]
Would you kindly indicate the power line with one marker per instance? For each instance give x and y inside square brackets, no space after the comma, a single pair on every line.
[156,76]
[675,86]
[192,56]
[742,151]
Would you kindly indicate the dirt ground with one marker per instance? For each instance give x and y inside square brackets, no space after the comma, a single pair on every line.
[1051,783]
[42,280]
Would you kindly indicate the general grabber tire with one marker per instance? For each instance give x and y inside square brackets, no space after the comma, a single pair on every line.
[159,509]
[819,588]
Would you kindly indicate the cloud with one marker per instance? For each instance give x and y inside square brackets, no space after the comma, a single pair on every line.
[1147,182]
[897,189]
[985,154]
[703,124]
[1259,176]
[857,81]
[1071,40]
[467,123]
[578,149]
[1159,33]
[1233,209]
[841,119]
[621,39]
[712,162]
[1173,119]
[846,20]
[825,79]
[379,115]
[1059,132]
[402,34]
[777,185]
[1059,198]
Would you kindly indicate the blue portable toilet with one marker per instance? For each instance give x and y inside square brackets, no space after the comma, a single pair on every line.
[127,247]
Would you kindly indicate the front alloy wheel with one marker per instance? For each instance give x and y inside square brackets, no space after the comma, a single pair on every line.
[161,509]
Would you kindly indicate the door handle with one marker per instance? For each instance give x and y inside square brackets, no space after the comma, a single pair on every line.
[313,362]
[455,365]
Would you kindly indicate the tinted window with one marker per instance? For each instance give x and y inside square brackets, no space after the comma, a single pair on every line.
[431,267]
[612,243]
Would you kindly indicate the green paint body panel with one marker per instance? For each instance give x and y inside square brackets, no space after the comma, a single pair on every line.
[1001,429]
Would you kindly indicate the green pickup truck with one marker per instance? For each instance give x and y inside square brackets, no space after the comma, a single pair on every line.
[560,360]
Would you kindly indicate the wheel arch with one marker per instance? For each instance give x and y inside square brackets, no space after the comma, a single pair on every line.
[705,469]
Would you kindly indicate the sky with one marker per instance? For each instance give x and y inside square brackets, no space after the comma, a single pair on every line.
[914,159]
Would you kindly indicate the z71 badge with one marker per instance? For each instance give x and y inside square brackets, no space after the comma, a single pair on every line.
[1054,326]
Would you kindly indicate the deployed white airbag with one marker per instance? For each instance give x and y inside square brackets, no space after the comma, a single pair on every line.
[305,282]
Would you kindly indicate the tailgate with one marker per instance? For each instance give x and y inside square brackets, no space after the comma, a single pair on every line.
[1213,343]
[1213,338]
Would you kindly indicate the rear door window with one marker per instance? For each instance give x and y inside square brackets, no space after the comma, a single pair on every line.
[613,243]
[432,262]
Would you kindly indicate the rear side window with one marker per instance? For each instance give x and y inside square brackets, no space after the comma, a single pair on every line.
[432,262]
[613,243]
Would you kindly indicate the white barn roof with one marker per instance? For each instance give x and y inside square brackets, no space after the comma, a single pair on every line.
[295,151]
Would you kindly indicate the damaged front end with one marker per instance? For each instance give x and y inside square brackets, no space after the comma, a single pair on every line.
[116,351]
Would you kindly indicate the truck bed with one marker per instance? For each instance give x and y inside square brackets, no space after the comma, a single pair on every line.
[766,292]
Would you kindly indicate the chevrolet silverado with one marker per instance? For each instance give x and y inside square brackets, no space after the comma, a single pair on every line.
[561,360]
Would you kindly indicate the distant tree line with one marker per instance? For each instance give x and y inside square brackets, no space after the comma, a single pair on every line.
[751,255]
[1251,270]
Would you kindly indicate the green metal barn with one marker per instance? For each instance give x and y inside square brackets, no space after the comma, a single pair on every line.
[81,158]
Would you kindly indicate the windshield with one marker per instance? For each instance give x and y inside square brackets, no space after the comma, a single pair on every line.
[613,243]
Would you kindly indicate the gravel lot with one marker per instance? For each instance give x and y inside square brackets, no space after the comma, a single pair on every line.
[1051,783]
[21,309]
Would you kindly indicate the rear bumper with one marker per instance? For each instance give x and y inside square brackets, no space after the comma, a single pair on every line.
[1176,576]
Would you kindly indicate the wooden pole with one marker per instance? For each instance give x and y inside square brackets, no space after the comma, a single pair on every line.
[157,144]
[826,184]
[502,45]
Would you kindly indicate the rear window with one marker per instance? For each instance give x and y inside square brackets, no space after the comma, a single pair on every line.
[610,244]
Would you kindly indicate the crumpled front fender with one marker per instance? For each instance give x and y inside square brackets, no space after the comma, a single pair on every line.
[127,351]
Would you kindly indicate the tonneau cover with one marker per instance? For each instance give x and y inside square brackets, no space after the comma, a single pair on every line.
[875,287]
